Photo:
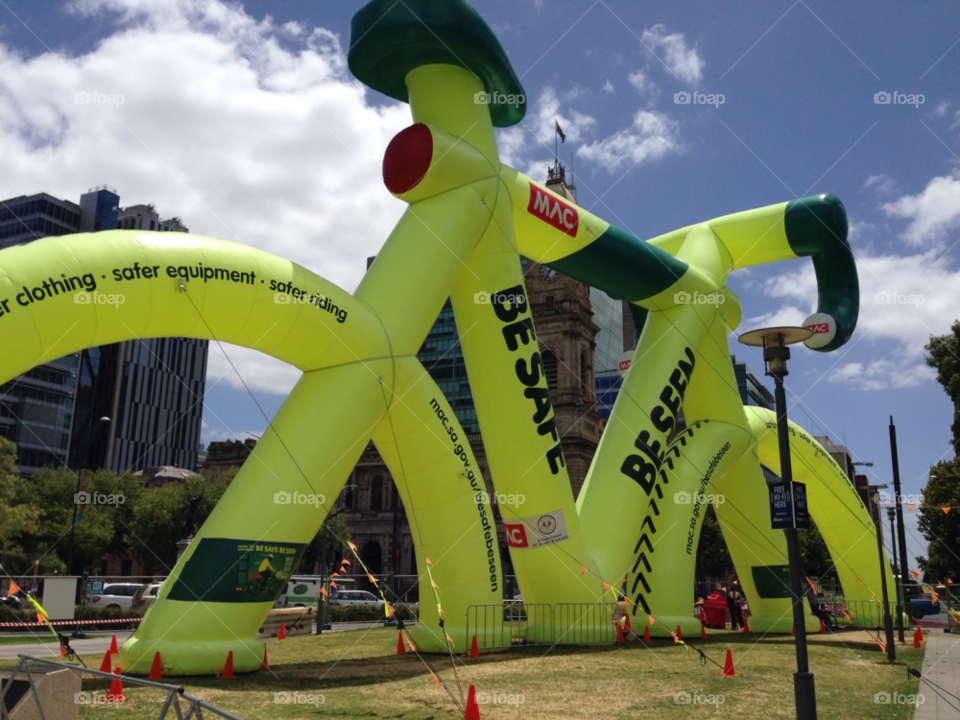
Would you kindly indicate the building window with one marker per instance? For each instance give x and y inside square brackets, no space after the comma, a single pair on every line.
[550,368]
[583,373]
[376,493]
[348,498]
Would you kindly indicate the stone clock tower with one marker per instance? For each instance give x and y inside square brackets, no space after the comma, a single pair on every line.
[563,316]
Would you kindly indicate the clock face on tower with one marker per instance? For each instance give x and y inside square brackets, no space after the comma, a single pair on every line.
[548,274]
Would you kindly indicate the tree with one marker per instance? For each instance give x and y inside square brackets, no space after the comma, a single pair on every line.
[17,518]
[815,559]
[945,358]
[941,530]
[713,558]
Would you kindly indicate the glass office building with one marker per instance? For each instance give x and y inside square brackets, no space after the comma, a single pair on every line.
[608,314]
[442,356]
[37,408]
[752,389]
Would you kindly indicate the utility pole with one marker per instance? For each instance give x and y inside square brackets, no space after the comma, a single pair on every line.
[901,533]
[887,620]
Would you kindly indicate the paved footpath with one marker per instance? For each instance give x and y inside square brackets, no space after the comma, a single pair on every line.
[941,665]
[89,646]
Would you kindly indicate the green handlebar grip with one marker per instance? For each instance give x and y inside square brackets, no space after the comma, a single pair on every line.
[388,39]
[816,227]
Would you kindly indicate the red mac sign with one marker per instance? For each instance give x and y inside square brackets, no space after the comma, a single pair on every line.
[553,211]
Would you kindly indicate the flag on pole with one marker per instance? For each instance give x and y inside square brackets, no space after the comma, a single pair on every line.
[563,138]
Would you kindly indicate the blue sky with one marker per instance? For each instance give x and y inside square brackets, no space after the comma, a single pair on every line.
[251,128]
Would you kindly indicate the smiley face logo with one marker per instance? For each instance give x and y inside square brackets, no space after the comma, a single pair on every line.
[546,524]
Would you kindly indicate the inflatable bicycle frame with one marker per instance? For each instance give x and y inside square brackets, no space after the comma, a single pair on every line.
[469,219]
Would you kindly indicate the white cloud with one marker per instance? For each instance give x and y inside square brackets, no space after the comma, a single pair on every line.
[608,88]
[248,131]
[650,137]
[535,136]
[882,183]
[683,61]
[642,82]
[932,213]
[903,300]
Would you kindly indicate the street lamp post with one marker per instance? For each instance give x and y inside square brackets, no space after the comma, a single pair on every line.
[901,536]
[775,342]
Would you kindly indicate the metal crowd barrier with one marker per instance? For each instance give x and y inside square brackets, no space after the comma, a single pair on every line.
[510,623]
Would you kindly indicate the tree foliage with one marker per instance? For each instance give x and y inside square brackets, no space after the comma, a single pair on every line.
[945,358]
[941,530]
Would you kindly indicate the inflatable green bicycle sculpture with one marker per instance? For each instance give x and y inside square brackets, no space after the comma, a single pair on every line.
[470,218]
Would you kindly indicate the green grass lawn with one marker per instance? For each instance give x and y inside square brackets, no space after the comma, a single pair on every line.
[38,638]
[359,676]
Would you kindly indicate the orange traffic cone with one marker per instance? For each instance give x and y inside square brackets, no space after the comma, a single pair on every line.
[646,633]
[474,650]
[823,628]
[116,688]
[679,634]
[263,663]
[473,710]
[728,666]
[401,648]
[155,670]
[703,631]
[745,628]
[228,668]
[105,666]
[113,646]
[63,651]
[283,632]
[619,630]
[917,639]
[627,623]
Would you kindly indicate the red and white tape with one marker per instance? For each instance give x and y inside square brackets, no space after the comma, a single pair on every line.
[70,622]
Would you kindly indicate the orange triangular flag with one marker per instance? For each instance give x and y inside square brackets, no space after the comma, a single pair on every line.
[14,588]
[352,546]
[371,578]
[344,562]
[626,602]
[945,510]
[333,575]
[436,680]
[323,591]
[724,588]
[858,579]
[39,619]
[437,587]
[911,507]
[583,570]
[812,586]
[915,573]
[675,638]
[949,581]
[452,643]
[871,594]
[606,587]
[650,617]
[428,560]
[332,584]
[389,610]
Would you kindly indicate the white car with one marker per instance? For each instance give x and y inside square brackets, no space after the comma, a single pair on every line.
[115,595]
[346,598]
[146,594]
